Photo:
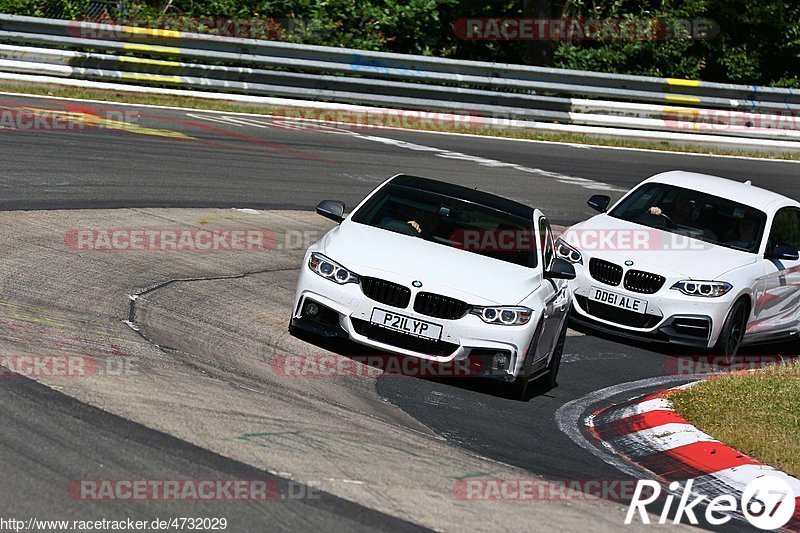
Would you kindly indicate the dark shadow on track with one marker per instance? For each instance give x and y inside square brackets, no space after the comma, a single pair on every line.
[749,356]
[395,366]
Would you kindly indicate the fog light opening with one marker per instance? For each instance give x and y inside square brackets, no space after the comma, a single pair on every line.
[312,309]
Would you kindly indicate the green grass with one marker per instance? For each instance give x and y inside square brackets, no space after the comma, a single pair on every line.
[755,413]
[235,107]
[132,98]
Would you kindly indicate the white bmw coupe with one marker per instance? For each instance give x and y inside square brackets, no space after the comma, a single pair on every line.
[440,272]
[689,259]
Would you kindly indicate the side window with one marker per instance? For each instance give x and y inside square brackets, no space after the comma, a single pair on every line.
[786,228]
[547,244]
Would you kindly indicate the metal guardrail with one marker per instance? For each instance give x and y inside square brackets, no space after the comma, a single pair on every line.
[109,53]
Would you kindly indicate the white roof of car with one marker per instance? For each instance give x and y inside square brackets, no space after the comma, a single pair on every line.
[723,187]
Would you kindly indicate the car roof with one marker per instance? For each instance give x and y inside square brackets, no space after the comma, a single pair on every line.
[730,189]
[459,192]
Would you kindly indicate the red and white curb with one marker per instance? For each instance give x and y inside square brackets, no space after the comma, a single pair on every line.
[649,433]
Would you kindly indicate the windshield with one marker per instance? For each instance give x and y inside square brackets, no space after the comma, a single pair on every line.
[451,222]
[694,214]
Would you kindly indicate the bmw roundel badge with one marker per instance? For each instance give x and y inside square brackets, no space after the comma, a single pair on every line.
[417,284]
[628,263]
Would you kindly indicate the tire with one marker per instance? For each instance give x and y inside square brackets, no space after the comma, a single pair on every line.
[299,333]
[548,381]
[518,389]
[730,338]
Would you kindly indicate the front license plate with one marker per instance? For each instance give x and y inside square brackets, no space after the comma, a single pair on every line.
[618,300]
[406,324]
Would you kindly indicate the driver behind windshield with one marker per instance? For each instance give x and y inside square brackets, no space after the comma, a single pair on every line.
[682,211]
[424,222]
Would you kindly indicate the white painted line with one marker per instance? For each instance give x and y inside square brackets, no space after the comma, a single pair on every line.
[656,404]
[492,163]
[687,385]
[569,420]
[247,122]
[220,120]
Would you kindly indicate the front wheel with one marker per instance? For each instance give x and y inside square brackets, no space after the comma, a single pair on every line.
[518,389]
[548,381]
[730,338]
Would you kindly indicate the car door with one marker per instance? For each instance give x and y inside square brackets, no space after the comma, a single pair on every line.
[556,297]
[777,300]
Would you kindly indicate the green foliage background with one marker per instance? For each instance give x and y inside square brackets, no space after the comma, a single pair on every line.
[758,43]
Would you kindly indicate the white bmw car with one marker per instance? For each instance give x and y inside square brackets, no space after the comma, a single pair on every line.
[689,259]
[441,272]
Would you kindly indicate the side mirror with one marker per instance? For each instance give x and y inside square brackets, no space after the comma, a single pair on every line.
[332,209]
[560,269]
[783,252]
[599,202]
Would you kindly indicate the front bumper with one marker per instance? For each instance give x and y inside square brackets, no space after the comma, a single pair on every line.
[670,318]
[664,335]
[347,313]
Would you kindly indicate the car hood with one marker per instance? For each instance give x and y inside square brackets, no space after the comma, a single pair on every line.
[654,250]
[457,273]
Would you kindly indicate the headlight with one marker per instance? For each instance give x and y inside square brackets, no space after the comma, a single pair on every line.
[506,316]
[331,270]
[566,251]
[707,289]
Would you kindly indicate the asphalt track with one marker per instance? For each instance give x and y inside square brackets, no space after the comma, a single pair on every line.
[167,158]
[171,158]
[49,439]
